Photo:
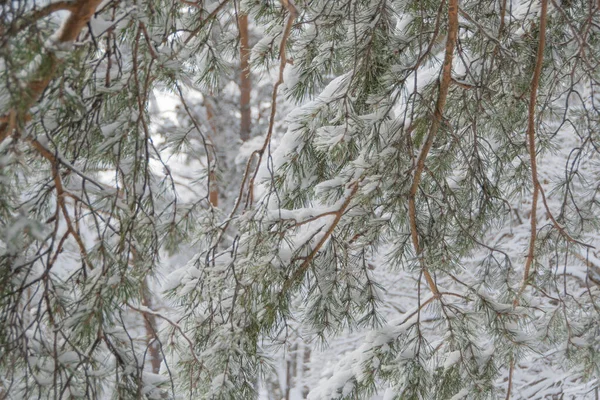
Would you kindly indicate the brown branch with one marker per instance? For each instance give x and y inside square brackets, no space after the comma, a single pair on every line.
[501,27]
[535,81]
[511,370]
[60,196]
[37,14]
[435,126]
[299,273]
[151,329]
[282,63]
[81,12]
[151,48]
[174,325]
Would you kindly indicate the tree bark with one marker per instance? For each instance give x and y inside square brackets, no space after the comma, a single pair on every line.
[305,370]
[213,188]
[151,333]
[245,83]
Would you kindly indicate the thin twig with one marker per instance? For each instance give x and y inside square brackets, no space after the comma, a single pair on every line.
[173,324]
[301,270]
[558,227]
[511,370]
[60,197]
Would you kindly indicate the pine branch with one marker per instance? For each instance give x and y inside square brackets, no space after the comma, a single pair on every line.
[435,126]
[37,14]
[289,5]
[60,197]
[174,325]
[81,12]
[535,81]
[301,270]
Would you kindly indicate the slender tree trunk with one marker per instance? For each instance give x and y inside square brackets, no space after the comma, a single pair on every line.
[213,189]
[305,369]
[151,333]
[288,377]
[245,83]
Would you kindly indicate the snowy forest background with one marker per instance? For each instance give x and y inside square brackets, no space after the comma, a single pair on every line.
[320,199]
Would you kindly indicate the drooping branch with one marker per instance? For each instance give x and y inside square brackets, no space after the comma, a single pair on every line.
[60,197]
[535,82]
[293,14]
[301,270]
[445,81]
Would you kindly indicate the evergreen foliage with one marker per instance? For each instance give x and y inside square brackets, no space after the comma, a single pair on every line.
[443,150]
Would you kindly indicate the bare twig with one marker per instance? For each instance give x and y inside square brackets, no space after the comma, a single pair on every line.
[558,227]
[174,325]
[60,197]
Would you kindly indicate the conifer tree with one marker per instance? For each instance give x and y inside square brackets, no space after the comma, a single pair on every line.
[444,149]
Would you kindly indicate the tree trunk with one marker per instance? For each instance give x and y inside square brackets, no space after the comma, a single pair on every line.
[213,188]
[245,83]
[305,370]
[151,333]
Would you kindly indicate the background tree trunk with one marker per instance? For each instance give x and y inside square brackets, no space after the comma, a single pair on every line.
[151,331]
[245,83]
[213,189]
